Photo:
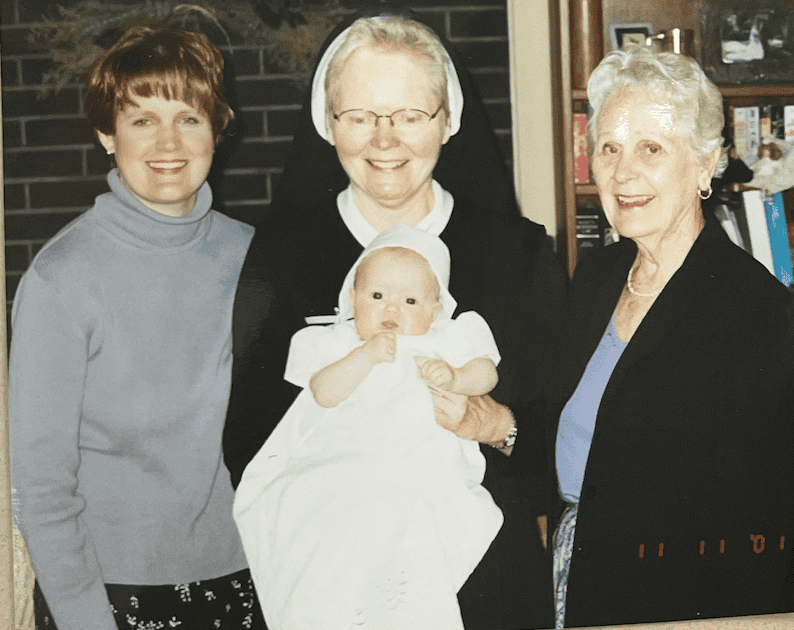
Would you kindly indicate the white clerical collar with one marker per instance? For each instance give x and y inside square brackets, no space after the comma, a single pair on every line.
[364,233]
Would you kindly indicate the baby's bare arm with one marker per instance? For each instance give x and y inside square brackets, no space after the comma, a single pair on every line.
[475,378]
[335,382]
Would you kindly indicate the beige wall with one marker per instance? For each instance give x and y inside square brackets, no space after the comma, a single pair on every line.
[533,139]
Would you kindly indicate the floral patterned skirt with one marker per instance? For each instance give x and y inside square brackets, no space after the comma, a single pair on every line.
[228,603]
[563,548]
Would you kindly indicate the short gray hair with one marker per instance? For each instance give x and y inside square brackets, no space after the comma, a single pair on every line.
[679,80]
[392,33]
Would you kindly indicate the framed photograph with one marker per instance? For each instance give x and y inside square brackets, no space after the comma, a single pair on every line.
[749,43]
[622,34]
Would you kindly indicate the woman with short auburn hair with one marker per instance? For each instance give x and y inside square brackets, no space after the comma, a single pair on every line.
[120,364]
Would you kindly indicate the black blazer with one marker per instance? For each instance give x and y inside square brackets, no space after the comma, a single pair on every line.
[686,506]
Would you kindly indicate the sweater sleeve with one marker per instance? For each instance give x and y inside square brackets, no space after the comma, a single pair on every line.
[50,349]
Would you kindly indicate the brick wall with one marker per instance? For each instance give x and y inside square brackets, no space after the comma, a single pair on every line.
[54,168]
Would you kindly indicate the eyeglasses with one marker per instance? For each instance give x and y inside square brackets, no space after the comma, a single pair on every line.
[404,121]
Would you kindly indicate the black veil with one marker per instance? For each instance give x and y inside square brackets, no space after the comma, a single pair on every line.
[470,165]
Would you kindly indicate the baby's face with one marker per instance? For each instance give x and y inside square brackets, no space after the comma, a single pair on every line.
[395,291]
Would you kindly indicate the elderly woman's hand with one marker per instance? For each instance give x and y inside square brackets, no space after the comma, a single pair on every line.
[478,418]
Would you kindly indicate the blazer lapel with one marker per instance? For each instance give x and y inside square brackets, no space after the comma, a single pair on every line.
[667,318]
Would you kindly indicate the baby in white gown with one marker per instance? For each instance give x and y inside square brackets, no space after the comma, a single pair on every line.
[360,511]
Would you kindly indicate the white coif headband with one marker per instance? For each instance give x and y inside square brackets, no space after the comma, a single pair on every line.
[454,92]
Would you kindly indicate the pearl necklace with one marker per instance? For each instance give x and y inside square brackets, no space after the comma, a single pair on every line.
[637,293]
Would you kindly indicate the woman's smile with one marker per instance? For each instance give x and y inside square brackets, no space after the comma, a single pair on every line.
[161,167]
[172,167]
[383,165]
[633,201]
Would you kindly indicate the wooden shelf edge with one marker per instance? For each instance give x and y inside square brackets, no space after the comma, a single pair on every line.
[757,90]
[728,91]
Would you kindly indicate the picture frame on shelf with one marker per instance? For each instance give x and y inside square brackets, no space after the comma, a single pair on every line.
[748,44]
[635,33]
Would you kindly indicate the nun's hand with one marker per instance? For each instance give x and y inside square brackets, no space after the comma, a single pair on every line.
[478,418]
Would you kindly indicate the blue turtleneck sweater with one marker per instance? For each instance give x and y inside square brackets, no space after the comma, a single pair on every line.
[120,372]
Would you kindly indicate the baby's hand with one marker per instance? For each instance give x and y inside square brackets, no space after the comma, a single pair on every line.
[381,348]
[436,372]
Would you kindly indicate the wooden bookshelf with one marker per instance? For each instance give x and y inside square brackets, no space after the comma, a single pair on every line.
[756,92]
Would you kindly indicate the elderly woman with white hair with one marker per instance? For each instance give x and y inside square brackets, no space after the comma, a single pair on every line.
[672,400]
[387,118]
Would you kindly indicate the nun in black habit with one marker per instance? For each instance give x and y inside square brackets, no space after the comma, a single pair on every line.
[327,207]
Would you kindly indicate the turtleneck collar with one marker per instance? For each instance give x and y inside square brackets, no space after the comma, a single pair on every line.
[134,222]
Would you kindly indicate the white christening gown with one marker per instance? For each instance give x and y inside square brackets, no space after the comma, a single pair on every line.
[368,515]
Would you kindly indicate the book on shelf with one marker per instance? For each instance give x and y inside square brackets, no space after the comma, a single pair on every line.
[581,156]
[733,218]
[788,207]
[771,122]
[746,130]
[778,238]
[788,122]
[729,222]
[592,228]
[768,233]
[790,225]
[756,125]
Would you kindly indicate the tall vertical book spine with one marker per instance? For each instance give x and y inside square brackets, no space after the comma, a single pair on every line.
[757,226]
[778,238]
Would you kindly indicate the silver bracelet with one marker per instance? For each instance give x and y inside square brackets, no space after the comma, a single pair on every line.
[510,440]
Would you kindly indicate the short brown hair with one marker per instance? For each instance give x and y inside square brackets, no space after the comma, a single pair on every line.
[167,62]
